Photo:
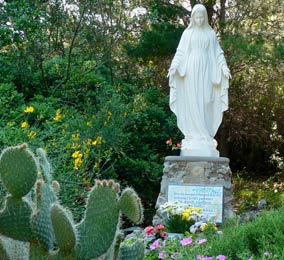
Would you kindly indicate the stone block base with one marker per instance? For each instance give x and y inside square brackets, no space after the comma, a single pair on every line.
[196,170]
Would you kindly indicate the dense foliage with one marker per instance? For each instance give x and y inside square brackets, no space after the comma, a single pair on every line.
[86,80]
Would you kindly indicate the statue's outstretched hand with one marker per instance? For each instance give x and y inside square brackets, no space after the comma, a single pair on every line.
[171,72]
[226,72]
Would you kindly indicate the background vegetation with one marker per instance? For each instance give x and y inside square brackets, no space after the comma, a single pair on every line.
[86,80]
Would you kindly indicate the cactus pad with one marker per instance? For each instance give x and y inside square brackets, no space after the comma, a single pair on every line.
[130,205]
[15,219]
[97,230]
[3,251]
[14,249]
[64,229]
[41,220]
[44,165]
[18,169]
[133,251]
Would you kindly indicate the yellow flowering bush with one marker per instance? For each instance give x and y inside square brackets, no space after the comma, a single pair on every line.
[104,136]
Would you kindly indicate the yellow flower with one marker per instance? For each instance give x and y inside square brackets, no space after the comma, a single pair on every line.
[98,141]
[185,215]
[24,124]
[77,163]
[29,109]
[32,134]
[77,154]
[58,115]
[204,227]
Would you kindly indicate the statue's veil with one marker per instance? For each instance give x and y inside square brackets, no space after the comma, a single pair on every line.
[199,8]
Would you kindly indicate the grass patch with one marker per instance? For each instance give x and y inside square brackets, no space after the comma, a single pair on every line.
[253,239]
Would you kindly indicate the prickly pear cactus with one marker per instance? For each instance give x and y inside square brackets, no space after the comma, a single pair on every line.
[99,228]
[18,169]
[46,225]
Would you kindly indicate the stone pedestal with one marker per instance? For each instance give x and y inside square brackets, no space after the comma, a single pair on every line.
[197,170]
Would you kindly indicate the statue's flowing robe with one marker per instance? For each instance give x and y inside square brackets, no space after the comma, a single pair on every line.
[198,89]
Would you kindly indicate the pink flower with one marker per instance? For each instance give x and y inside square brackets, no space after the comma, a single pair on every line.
[169,141]
[221,257]
[155,245]
[163,234]
[202,241]
[160,226]
[179,145]
[162,255]
[267,253]
[186,241]
[201,257]
[149,230]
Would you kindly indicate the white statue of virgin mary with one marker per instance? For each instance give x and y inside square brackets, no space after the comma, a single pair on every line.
[199,82]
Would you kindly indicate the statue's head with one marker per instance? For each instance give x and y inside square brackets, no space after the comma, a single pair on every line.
[199,17]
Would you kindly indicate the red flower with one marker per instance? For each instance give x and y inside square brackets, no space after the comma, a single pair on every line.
[163,234]
[149,230]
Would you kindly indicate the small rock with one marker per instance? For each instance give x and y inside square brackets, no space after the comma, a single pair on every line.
[262,204]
